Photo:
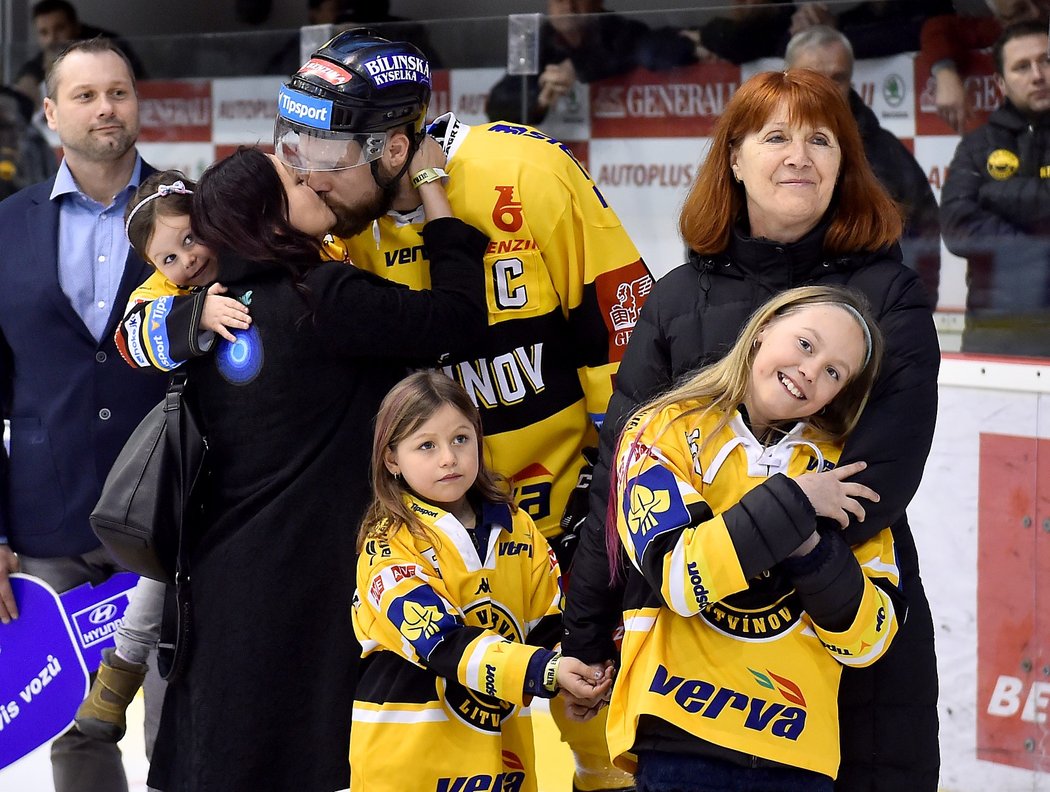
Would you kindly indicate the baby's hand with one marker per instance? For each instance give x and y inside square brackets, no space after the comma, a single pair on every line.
[221,313]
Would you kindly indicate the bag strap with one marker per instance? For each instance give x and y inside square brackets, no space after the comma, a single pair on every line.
[174,404]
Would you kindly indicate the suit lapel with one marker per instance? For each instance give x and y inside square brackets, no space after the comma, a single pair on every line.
[42,233]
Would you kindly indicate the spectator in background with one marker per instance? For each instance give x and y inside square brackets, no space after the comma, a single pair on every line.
[877,28]
[376,13]
[56,24]
[995,205]
[751,29]
[950,40]
[25,155]
[828,51]
[581,42]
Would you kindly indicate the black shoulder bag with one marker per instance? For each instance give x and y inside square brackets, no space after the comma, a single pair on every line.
[139,517]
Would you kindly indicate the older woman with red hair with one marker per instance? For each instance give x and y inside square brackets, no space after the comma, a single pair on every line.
[785,198]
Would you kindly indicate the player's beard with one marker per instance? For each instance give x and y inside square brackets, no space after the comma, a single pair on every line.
[352,220]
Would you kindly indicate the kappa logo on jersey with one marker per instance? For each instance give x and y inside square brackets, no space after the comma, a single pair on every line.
[327,71]
[507,214]
[652,505]
[531,489]
[700,697]
[621,295]
[421,617]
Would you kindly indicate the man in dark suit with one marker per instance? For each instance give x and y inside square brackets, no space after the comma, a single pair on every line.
[66,271]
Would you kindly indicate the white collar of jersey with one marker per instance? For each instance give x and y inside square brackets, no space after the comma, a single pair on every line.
[450,528]
[453,133]
[762,461]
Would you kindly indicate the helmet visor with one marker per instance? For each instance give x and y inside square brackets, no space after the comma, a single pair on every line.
[324,150]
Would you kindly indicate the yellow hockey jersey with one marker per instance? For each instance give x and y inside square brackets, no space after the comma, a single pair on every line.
[441,704]
[564,289]
[727,655]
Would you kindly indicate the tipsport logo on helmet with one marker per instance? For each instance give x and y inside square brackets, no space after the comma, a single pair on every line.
[303,109]
[388,69]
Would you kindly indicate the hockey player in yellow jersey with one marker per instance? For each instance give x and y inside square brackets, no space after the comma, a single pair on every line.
[565,281]
[743,602]
[458,601]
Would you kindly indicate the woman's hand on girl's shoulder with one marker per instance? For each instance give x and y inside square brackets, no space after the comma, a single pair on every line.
[831,495]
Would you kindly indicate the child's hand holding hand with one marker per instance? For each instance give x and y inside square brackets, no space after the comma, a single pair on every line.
[221,313]
[835,497]
[585,688]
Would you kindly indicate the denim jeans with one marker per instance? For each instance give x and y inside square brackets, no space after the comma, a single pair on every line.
[666,772]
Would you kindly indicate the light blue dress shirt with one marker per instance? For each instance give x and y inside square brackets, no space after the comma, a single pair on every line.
[92,247]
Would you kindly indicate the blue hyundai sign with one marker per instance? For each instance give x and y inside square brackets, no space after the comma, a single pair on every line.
[46,654]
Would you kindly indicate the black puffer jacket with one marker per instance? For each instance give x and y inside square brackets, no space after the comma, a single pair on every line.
[995,210]
[692,318]
[906,182]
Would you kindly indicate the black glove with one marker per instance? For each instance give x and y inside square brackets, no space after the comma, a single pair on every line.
[576,511]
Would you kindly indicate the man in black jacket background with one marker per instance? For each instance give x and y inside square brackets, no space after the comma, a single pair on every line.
[995,206]
[826,50]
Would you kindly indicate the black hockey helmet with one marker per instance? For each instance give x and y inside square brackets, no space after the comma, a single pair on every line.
[337,110]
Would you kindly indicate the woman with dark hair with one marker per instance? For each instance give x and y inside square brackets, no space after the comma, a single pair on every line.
[265,700]
[786,198]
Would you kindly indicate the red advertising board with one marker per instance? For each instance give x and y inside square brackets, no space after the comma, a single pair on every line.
[682,102]
[172,111]
[982,94]
[1013,578]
